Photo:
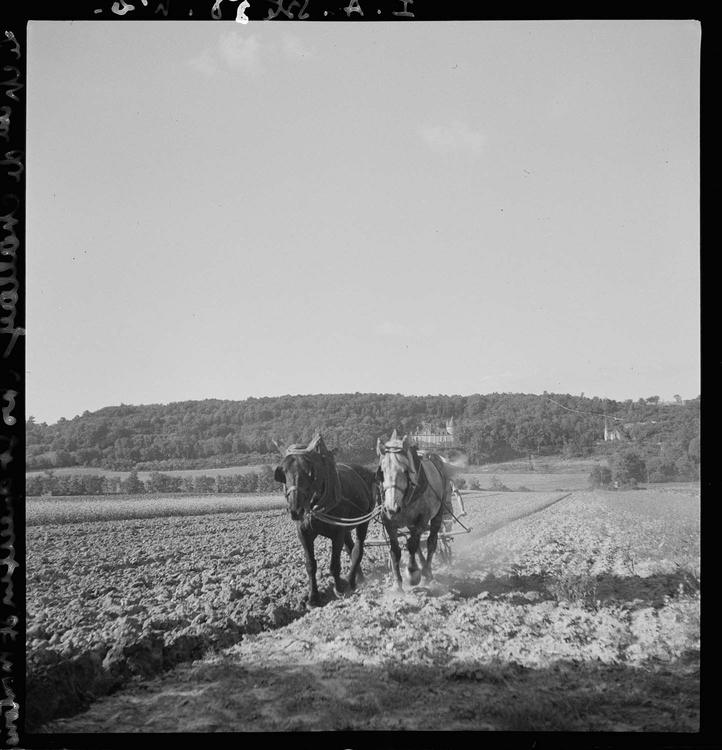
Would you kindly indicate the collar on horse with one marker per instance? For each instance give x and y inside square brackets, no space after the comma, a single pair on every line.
[418,482]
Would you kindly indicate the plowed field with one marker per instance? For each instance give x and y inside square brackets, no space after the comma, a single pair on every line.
[558,612]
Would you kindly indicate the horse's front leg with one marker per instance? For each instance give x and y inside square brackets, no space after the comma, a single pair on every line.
[339,584]
[413,547]
[307,536]
[435,526]
[356,556]
[349,544]
[394,556]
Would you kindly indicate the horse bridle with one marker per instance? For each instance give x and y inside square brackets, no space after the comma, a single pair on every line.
[408,495]
[288,491]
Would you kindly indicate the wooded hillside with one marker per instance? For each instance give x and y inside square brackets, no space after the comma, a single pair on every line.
[493,427]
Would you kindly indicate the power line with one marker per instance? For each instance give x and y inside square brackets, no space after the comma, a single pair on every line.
[588,413]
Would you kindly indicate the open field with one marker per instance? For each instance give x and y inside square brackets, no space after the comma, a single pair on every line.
[542,464]
[560,611]
[535,481]
[145,475]
[551,473]
[76,509]
[513,479]
[546,473]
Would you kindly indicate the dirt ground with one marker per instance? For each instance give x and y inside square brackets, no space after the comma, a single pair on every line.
[574,612]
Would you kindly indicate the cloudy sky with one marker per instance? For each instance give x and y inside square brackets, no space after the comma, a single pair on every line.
[218,210]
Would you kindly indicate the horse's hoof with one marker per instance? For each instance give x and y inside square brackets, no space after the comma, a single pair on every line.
[340,588]
[313,602]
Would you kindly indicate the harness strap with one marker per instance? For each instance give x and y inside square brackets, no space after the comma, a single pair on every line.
[346,522]
[363,482]
[332,481]
[413,490]
[321,513]
[422,485]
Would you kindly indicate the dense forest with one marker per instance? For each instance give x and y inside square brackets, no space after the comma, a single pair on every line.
[493,427]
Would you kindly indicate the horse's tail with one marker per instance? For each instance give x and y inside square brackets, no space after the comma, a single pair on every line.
[452,468]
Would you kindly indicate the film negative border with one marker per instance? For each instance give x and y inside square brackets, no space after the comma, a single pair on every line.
[12,356]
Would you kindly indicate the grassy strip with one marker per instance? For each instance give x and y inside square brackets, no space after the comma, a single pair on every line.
[68,510]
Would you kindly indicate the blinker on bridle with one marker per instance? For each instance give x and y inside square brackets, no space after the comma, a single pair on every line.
[410,486]
[314,497]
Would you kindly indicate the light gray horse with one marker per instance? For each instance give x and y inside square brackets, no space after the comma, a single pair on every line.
[416,493]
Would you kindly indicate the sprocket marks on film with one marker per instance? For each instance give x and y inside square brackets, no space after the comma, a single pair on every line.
[261,10]
[12,170]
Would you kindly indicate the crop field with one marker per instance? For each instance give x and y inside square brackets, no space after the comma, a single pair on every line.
[574,611]
[145,475]
[542,464]
[534,481]
[488,479]
[510,472]
[69,510]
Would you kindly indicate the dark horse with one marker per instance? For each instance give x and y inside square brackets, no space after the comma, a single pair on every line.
[416,493]
[316,489]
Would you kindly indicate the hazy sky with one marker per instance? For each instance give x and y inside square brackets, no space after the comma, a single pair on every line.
[218,210]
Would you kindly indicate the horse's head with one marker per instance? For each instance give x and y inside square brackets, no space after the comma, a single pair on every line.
[308,474]
[396,473]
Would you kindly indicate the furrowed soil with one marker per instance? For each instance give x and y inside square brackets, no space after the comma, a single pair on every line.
[575,611]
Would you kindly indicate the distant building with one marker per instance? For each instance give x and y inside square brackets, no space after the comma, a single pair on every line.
[429,437]
[612,433]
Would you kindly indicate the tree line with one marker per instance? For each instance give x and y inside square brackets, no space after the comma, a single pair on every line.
[49,483]
[489,428]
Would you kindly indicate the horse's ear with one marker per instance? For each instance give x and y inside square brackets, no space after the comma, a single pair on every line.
[405,442]
[317,444]
[278,447]
[394,436]
[279,475]
[379,447]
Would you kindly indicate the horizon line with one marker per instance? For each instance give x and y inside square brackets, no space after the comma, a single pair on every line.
[582,394]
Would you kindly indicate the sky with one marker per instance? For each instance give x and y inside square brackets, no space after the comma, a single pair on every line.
[218,210]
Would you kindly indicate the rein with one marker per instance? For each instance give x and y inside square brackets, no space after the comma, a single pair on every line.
[346,522]
[321,515]
[409,493]
[289,490]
